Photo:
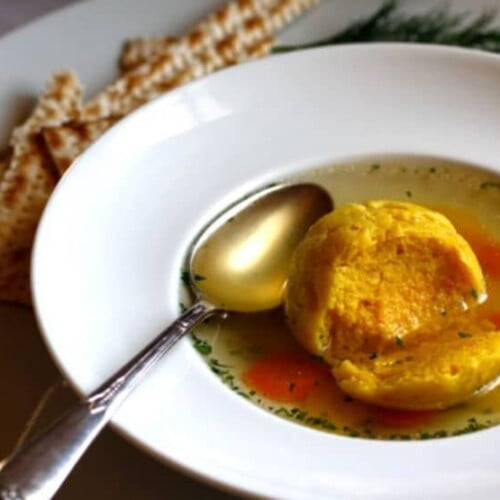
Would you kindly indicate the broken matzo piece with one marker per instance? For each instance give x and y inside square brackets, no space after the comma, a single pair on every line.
[27,182]
[137,51]
[134,86]
[60,101]
[204,35]
[24,190]
[214,60]
[67,142]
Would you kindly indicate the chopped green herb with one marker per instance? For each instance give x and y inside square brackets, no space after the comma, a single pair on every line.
[318,358]
[373,355]
[472,426]
[203,347]
[185,278]
[399,340]
[408,194]
[216,362]
[440,434]
[374,167]
[464,335]
[182,307]
[474,293]
[301,416]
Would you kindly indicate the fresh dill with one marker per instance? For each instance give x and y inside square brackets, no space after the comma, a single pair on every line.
[436,26]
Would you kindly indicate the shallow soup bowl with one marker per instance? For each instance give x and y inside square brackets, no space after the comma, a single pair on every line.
[111,246]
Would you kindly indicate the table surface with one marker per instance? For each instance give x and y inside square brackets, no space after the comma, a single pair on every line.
[16,12]
[112,468]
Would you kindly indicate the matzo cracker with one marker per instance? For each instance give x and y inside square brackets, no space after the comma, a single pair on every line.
[24,191]
[136,85]
[67,142]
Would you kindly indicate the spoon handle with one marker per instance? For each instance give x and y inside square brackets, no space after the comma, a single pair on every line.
[37,470]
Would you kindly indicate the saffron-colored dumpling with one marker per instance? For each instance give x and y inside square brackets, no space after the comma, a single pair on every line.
[432,370]
[376,281]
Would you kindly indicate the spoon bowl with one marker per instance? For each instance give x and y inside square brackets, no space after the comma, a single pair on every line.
[240,261]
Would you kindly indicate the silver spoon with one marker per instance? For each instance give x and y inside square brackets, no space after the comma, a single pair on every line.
[239,262]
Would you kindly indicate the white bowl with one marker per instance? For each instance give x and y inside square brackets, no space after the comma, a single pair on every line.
[110,247]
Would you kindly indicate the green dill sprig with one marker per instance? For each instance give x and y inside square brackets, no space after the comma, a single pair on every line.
[303,417]
[437,26]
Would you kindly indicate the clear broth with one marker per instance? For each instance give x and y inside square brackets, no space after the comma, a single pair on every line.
[232,345]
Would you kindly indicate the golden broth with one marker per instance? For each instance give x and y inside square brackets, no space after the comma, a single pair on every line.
[234,346]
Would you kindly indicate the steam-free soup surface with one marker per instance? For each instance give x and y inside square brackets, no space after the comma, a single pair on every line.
[257,357]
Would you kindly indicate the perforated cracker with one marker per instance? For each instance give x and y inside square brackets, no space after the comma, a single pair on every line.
[60,102]
[204,35]
[27,182]
[24,190]
[138,85]
[67,142]
[137,51]
[213,60]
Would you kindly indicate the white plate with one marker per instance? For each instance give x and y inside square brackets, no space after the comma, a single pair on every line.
[111,244]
